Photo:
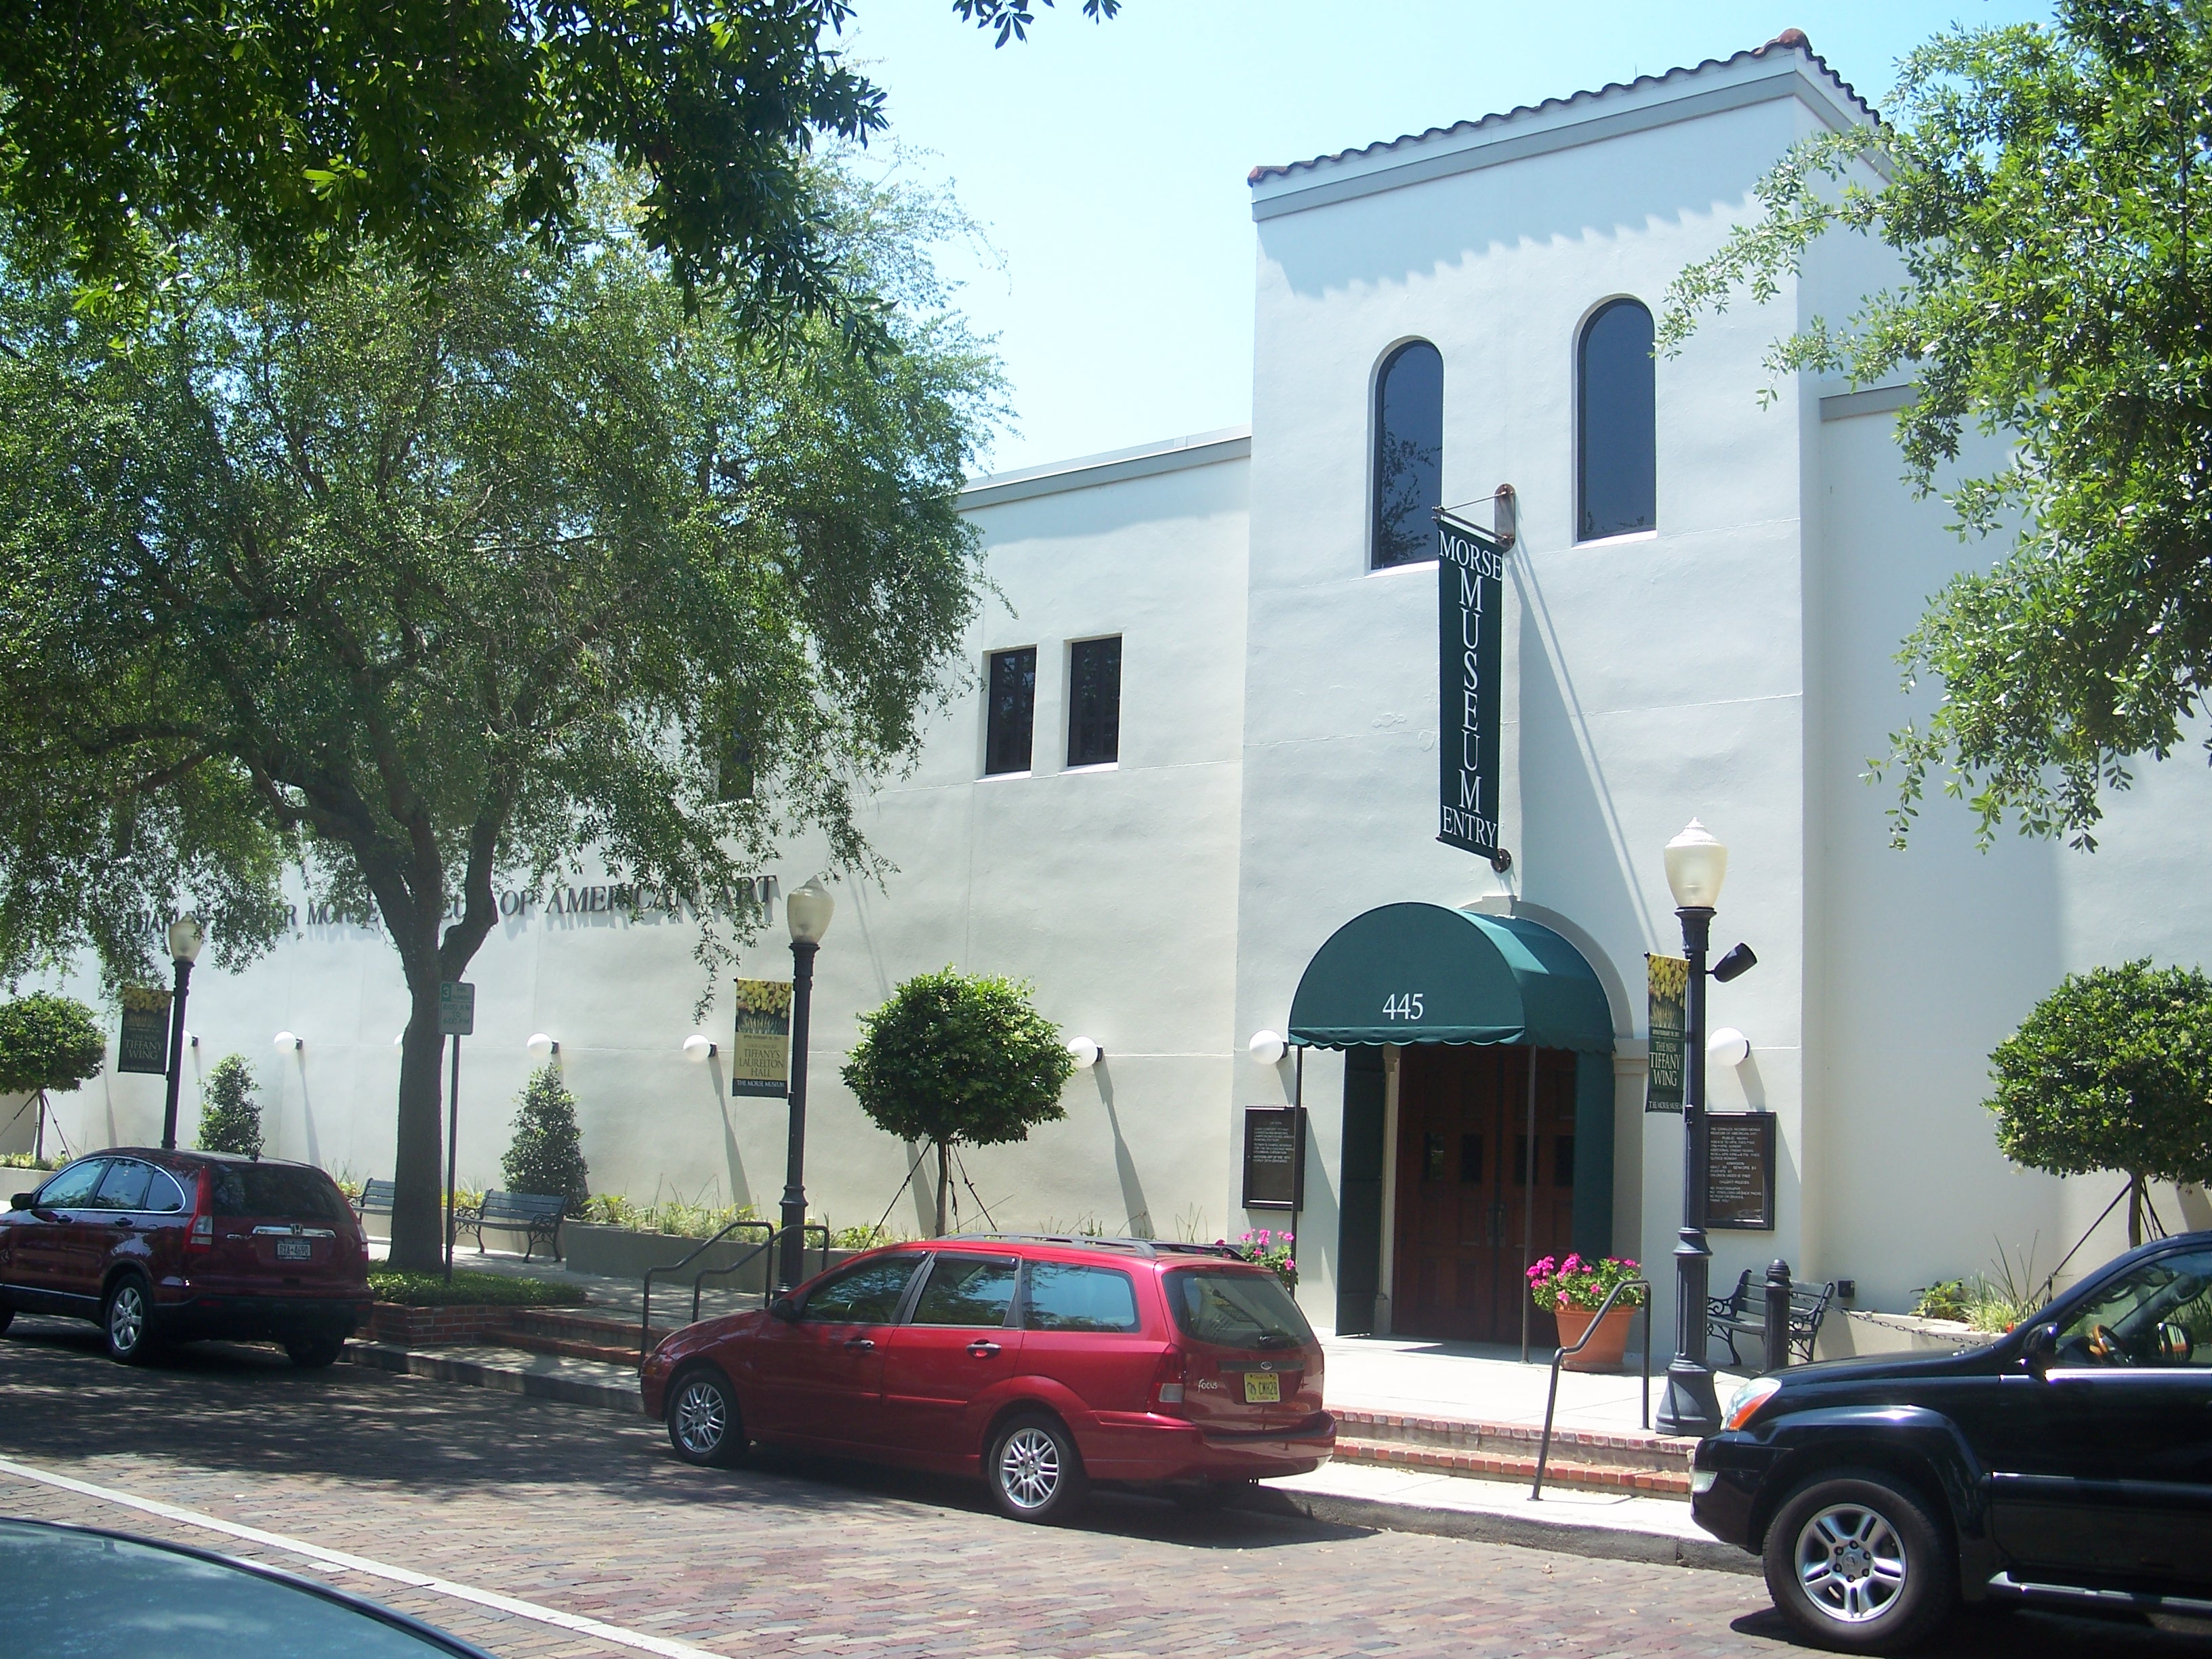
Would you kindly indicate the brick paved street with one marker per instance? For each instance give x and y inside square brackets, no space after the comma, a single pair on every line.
[582,1511]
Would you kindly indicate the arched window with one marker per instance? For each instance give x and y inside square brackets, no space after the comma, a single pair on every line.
[1616,472]
[1409,455]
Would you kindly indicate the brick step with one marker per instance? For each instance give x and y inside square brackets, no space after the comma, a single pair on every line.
[606,1353]
[1516,1466]
[1628,1449]
[584,1325]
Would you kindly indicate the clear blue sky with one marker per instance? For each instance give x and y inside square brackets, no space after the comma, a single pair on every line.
[1107,163]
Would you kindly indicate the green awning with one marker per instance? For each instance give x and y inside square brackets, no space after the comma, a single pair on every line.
[1421,973]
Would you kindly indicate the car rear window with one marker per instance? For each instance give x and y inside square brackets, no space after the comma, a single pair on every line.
[1063,1297]
[1235,1310]
[274,1190]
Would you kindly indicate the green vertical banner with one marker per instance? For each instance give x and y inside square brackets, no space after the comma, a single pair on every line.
[760,1049]
[144,1045]
[1669,978]
[1470,652]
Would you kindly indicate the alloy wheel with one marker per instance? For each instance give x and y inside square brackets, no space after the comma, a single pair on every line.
[703,1418]
[1028,1467]
[126,1317]
[1851,1562]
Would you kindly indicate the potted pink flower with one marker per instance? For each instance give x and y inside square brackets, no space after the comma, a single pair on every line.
[1573,1291]
[1273,1251]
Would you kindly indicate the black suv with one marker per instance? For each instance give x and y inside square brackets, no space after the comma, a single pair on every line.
[2068,1461]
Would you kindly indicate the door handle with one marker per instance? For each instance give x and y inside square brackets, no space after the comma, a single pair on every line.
[983,1348]
[123,1221]
[861,1343]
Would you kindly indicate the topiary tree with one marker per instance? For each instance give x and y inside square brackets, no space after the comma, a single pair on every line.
[230,1109]
[547,1152]
[2112,1071]
[955,1058]
[47,1042]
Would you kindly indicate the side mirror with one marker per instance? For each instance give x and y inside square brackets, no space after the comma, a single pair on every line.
[784,1309]
[2041,1348]
[22,1200]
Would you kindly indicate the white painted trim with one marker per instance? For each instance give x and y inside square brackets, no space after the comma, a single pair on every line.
[1874,400]
[1228,443]
[1613,113]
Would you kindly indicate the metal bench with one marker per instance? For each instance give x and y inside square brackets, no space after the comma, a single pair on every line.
[1742,1313]
[375,1198]
[537,1215]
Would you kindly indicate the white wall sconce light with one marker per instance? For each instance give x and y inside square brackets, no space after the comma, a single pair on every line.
[288,1044]
[1086,1051]
[1266,1048]
[1728,1047]
[399,1042]
[699,1048]
[541,1046]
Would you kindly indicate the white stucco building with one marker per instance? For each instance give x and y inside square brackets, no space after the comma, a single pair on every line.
[1701,609]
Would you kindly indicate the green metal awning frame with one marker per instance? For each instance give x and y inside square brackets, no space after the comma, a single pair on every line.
[1422,973]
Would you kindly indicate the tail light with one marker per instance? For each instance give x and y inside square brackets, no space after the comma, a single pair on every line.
[202,1236]
[1168,1378]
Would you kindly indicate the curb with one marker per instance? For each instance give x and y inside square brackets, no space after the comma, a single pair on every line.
[1562,1537]
[470,1373]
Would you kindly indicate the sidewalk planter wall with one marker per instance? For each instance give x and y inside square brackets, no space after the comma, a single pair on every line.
[1851,1333]
[1607,1350]
[391,1321]
[618,1253]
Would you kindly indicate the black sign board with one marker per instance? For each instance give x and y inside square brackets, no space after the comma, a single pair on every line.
[1739,1171]
[144,1045]
[1274,1157]
[1470,602]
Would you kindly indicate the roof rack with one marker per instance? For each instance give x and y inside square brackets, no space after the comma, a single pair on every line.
[1145,1247]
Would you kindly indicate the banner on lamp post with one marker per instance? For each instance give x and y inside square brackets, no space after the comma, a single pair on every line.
[1669,983]
[1470,650]
[144,1044]
[760,1048]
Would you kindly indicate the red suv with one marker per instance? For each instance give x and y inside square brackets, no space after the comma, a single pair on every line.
[1041,1363]
[169,1246]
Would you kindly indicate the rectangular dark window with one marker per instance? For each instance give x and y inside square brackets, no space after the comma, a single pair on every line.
[1470,1160]
[1065,1297]
[1562,1160]
[1011,689]
[1094,702]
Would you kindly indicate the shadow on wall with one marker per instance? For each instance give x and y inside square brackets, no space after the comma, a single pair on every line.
[1135,1204]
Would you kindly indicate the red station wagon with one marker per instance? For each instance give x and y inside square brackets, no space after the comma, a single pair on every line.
[1040,1364]
[165,1246]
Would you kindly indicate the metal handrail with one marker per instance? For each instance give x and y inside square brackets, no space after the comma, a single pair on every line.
[772,1234]
[1559,1357]
[767,1292]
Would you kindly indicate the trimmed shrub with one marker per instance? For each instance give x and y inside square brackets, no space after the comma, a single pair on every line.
[547,1153]
[230,1109]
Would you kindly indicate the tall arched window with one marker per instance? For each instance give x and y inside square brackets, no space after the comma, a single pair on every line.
[1617,473]
[1409,454]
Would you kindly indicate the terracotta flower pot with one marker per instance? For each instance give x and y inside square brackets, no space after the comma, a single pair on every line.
[1607,1350]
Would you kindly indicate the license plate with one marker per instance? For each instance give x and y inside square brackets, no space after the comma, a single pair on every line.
[1262,1388]
[294,1250]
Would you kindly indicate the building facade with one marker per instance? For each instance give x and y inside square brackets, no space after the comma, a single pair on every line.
[1191,792]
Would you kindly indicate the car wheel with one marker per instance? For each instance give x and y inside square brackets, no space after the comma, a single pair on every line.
[1857,1561]
[127,1320]
[1034,1471]
[703,1424]
[314,1351]
[7,1317]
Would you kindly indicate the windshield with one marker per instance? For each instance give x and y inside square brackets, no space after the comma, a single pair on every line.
[1234,1309]
[271,1191]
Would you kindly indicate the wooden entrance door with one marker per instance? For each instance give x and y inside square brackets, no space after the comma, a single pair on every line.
[1461,1198]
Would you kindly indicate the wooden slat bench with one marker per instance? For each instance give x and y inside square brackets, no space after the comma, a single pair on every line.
[1742,1314]
[537,1215]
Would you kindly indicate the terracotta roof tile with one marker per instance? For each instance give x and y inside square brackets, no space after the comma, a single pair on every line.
[1788,41]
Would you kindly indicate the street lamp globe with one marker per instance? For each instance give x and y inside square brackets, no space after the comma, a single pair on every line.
[1696,865]
[806,911]
[185,938]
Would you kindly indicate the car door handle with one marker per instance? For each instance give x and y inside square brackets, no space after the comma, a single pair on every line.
[982,1348]
[123,1221]
[861,1343]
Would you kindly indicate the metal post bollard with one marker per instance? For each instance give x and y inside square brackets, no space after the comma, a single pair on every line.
[1777,1317]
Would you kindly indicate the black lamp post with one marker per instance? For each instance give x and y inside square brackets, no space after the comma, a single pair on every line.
[185,938]
[806,911]
[1696,865]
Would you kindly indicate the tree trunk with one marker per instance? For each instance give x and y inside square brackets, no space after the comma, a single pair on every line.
[418,1225]
[2134,1210]
[944,1183]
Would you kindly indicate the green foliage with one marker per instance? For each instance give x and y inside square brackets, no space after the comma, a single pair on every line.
[48,1043]
[430,1289]
[230,1112]
[2045,188]
[954,1058]
[1574,1283]
[1948,1298]
[547,1153]
[426,587]
[1013,19]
